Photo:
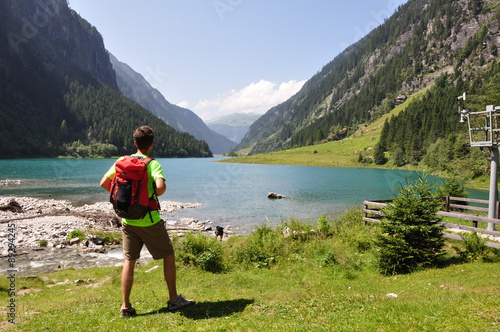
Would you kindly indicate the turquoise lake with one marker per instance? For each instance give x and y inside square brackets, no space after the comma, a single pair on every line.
[231,194]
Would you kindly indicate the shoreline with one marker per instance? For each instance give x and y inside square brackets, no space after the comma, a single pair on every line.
[54,219]
[288,157]
[26,223]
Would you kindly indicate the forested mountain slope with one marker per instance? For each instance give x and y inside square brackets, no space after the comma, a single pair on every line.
[134,86]
[422,41]
[58,91]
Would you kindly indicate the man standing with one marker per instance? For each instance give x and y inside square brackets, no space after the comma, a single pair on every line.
[149,231]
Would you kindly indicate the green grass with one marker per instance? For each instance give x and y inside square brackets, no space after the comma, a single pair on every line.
[288,298]
[332,154]
[316,283]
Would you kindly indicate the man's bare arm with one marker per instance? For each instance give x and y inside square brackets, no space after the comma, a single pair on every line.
[106,183]
[161,186]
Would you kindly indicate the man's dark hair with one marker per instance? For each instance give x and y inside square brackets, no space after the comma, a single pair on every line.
[143,137]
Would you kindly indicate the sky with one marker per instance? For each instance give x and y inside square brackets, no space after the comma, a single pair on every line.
[218,57]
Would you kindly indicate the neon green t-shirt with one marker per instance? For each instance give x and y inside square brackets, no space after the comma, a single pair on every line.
[155,172]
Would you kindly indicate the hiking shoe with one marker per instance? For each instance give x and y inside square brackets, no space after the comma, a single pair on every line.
[127,313]
[179,303]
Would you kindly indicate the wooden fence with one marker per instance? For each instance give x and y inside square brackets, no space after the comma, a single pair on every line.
[372,213]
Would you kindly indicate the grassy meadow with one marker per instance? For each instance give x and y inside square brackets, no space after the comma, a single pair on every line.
[294,277]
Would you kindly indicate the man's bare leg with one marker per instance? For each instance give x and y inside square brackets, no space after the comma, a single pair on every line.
[127,281]
[170,273]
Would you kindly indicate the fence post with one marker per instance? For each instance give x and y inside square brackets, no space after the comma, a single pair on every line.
[365,207]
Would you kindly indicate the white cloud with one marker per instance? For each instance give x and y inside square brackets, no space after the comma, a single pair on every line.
[184,104]
[257,97]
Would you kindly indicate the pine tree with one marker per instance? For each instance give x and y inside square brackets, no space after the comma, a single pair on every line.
[410,238]
[379,155]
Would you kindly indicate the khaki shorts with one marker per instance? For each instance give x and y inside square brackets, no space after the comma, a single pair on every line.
[155,237]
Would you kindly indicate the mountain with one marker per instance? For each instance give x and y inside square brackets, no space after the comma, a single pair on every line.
[58,90]
[233,126]
[425,40]
[135,86]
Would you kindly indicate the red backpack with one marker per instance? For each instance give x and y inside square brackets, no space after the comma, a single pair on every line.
[129,188]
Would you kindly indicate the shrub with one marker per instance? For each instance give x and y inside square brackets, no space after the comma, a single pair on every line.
[351,230]
[298,230]
[109,237]
[324,227]
[343,244]
[327,259]
[76,233]
[475,248]
[260,248]
[210,260]
[43,243]
[410,237]
[203,252]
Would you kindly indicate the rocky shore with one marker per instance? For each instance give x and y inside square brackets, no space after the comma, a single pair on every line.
[38,230]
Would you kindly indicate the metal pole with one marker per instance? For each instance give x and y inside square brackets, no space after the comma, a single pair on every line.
[493,187]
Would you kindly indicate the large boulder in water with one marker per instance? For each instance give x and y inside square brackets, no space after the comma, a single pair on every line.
[275,195]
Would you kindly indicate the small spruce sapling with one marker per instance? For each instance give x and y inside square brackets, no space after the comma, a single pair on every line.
[410,238]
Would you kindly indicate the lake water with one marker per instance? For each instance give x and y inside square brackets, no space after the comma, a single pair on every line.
[231,194]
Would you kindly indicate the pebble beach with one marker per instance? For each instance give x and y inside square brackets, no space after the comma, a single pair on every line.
[36,233]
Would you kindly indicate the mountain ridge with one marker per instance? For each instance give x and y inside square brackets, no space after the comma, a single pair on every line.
[136,87]
[363,81]
[233,126]
[58,90]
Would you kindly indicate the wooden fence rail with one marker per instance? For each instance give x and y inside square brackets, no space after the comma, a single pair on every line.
[372,213]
